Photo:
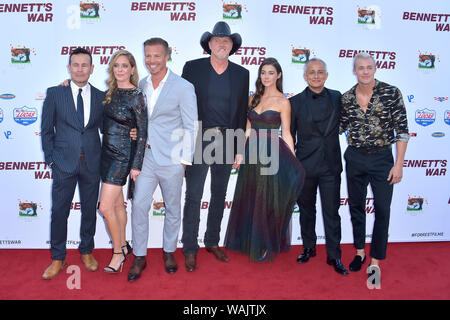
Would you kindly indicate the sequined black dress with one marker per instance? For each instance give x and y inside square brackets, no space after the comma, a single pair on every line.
[120,154]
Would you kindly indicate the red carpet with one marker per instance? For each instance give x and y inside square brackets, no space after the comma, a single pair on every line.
[411,271]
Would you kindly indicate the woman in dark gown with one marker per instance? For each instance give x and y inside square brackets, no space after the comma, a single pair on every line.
[266,192]
[125,108]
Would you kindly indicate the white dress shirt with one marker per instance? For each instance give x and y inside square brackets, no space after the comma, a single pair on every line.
[152,94]
[86,95]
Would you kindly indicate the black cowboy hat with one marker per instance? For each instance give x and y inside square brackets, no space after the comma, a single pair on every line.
[221,29]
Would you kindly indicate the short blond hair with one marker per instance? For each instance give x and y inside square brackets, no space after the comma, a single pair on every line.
[363,55]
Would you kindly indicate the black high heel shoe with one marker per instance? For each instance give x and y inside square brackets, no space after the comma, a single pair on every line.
[128,248]
[110,269]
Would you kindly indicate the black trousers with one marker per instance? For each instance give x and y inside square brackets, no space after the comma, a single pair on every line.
[195,183]
[363,168]
[329,188]
[63,189]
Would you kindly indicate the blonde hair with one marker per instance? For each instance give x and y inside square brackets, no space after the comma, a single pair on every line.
[112,82]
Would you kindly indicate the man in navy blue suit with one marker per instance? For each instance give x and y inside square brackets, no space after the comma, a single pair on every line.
[71,118]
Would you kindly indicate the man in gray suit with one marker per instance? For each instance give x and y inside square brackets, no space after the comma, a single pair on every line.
[172,107]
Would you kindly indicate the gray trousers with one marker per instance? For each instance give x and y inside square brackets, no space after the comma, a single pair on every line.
[170,180]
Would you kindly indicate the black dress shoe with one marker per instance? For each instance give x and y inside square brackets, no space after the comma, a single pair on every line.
[170,264]
[306,254]
[338,266]
[357,263]
[137,266]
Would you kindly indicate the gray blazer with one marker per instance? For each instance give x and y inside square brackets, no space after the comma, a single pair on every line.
[172,126]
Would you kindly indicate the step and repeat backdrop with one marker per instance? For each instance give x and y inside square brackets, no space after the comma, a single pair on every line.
[409,40]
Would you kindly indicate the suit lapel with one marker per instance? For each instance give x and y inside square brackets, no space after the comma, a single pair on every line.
[70,106]
[235,83]
[93,106]
[307,113]
[162,94]
[333,111]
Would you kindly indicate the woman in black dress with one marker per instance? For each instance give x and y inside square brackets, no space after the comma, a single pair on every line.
[125,108]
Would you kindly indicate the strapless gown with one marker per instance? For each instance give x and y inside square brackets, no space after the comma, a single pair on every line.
[259,222]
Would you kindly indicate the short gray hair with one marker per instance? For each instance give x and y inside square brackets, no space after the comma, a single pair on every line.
[312,60]
[363,55]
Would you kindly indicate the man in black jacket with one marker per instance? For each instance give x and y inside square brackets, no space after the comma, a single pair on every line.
[222,92]
[315,124]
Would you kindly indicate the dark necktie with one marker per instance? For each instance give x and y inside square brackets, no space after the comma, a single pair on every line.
[80,108]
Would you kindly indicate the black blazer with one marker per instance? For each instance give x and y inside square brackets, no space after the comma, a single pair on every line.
[197,73]
[311,144]
[62,133]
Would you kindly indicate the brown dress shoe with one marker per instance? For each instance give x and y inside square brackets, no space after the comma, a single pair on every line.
[137,266]
[170,263]
[191,262]
[53,270]
[218,253]
[89,262]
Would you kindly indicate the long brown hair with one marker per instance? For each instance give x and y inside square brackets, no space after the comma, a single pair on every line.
[112,82]
[260,87]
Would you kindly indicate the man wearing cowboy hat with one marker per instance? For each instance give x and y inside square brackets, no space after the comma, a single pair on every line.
[222,89]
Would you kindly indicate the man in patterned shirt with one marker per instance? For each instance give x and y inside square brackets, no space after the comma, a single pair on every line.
[374,114]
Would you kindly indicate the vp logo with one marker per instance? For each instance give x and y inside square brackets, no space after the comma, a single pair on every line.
[374,279]
[7,134]
[410,97]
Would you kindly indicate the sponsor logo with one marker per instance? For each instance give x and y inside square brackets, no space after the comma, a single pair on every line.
[28,209]
[25,115]
[427,61]
[7,134]
[90,10]
[7,96]
[1,115]
[441,99]
[300,55]
[413,134]
[438,134]
[233,11]
[172,50]
[425,117]
[410,98]
[440,19]
[159,208]
[366,16]
[447,117]
[415,204]
[21,55]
